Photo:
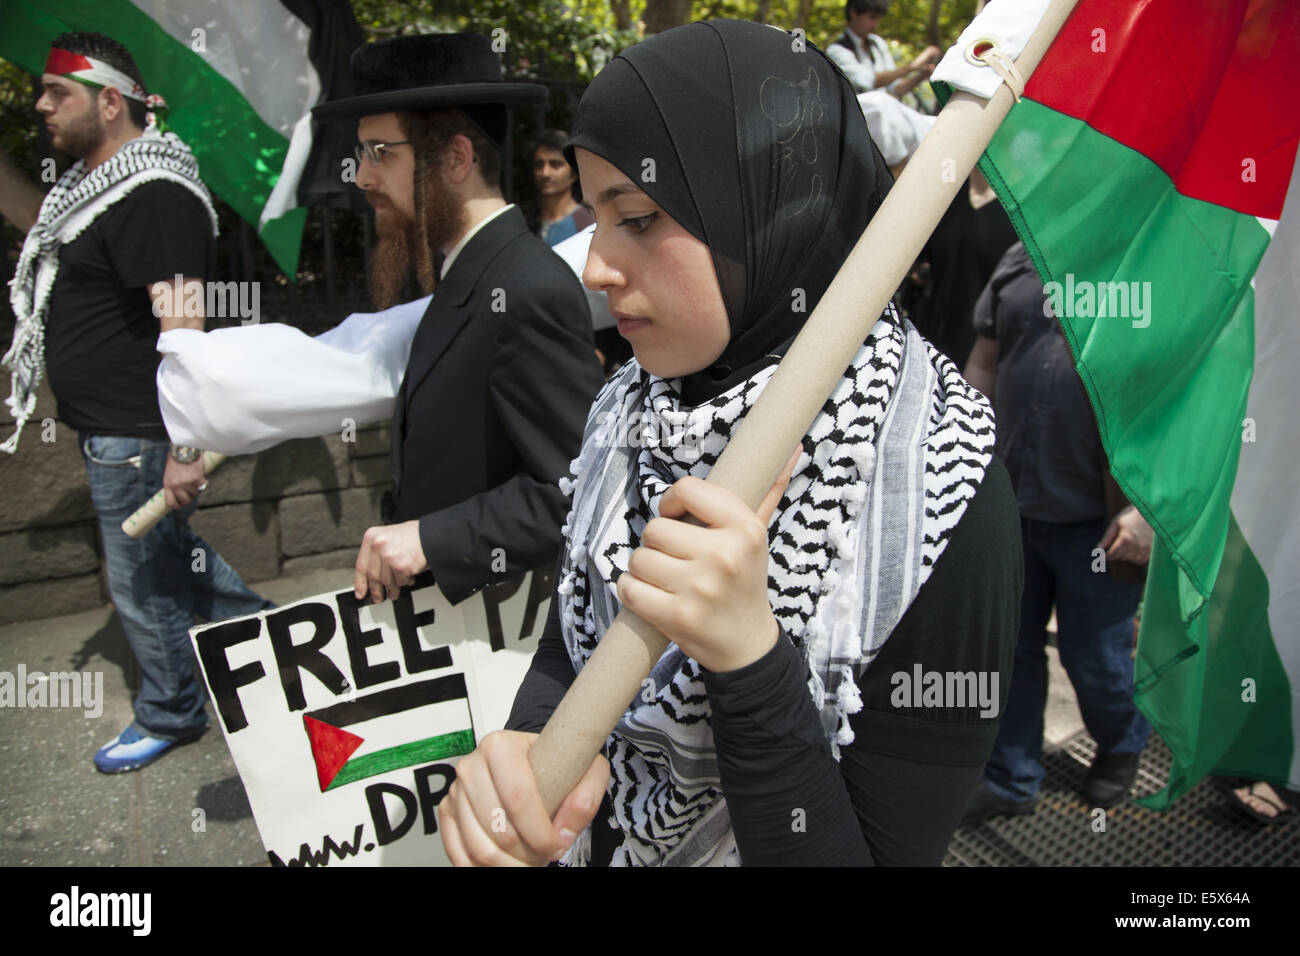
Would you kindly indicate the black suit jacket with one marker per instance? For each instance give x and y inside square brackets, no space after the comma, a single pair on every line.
[491,411]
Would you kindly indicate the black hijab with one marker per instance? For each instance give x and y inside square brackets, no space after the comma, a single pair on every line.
[759,150]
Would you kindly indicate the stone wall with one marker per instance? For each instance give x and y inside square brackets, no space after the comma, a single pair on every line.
[300,506]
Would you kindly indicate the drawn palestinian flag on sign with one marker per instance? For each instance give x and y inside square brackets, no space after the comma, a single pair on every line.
[375,743]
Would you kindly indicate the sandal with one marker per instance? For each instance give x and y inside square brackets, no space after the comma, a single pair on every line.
[1284,811]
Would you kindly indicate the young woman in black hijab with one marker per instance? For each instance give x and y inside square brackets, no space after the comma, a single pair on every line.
[840,657]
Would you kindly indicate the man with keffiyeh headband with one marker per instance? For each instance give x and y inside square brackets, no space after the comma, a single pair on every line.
[125,225]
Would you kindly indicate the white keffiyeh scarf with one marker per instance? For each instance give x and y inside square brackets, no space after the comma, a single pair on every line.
[75,201]
[889,466]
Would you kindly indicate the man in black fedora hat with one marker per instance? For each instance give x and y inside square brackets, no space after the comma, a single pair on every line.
[502,369]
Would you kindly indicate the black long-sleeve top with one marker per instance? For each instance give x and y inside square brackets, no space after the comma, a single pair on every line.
[899,790]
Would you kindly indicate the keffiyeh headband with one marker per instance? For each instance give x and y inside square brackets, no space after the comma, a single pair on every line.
[97,73]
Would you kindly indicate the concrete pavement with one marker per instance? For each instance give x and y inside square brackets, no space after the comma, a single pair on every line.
[56,809]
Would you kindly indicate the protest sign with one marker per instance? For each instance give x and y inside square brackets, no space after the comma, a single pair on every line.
[346,720]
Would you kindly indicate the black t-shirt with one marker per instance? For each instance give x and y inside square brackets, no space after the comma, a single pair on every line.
[963,251]
[1047,434]
[101,333]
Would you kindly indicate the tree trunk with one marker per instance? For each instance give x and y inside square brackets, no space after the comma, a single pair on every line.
[932,31]
[760,15]
[661,15]
[622,10]
[801,17]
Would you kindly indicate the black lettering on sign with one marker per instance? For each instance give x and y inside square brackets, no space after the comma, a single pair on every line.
[429,798]
[422,803]
[309,857]
[385,830]
[225,683]
[408,630]
[494,595]
[291,657]
[540,589]
[364,673]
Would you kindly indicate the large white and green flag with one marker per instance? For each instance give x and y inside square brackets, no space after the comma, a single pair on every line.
[240,78]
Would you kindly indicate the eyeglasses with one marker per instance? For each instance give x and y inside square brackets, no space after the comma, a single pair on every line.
[375,151]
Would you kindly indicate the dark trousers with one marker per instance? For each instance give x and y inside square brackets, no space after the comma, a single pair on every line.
[1094,630]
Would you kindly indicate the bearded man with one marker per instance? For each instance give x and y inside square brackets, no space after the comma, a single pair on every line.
[94,285]
[501,369]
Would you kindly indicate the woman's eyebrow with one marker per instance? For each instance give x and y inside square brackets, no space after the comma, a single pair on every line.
[618,189]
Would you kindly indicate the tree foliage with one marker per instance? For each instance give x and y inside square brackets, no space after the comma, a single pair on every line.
[589,31]
[560,43]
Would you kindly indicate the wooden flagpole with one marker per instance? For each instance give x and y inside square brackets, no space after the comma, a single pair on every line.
[137,525]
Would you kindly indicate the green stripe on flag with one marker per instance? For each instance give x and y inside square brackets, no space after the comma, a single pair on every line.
[1165,392]
[441,747]
[240,156]
[282,236]
[1216,690]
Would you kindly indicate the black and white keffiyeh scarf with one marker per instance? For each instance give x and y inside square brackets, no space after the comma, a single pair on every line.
[888,469]
[76,201]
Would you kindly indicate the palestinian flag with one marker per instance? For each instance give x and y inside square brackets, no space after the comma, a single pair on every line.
[375,744]
[239,78]
[1146,169]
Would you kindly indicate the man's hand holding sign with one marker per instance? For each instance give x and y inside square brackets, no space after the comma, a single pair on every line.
[390,556]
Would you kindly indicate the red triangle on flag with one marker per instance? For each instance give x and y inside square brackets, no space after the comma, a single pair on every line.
[330,746]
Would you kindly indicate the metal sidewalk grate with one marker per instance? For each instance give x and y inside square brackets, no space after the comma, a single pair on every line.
[1200,829]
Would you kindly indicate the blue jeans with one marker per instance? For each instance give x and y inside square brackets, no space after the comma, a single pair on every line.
[1094,634]
[159,582]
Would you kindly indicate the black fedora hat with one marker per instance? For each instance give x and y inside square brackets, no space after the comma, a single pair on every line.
[428,71]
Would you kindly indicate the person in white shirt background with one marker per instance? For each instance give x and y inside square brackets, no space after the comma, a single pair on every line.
[864,57]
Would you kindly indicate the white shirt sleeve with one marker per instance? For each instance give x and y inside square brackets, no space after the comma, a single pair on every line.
[861,75]
[877,47]
[574,252]
[897,128]
[241,390]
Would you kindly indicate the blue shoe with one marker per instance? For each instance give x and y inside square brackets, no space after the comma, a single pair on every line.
[131,750]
